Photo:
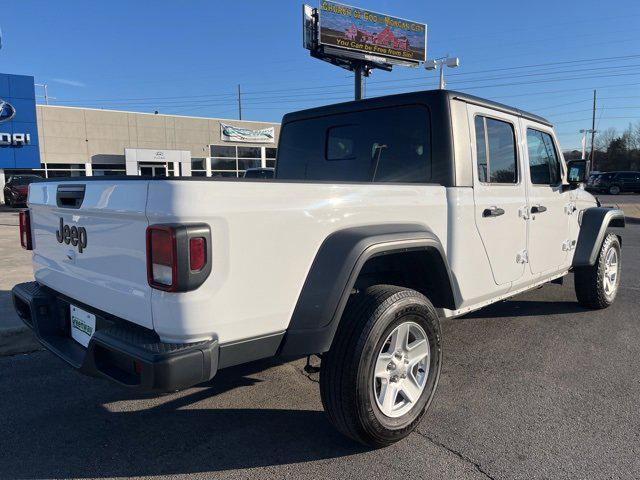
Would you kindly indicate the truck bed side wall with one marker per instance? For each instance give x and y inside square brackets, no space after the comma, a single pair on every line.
[263,249]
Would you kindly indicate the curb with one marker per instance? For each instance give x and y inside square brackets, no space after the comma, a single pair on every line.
[16,340]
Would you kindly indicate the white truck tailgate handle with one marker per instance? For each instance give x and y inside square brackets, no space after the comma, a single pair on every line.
[70,196]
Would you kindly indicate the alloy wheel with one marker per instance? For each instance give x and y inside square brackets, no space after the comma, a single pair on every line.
[401,369]
[611,266]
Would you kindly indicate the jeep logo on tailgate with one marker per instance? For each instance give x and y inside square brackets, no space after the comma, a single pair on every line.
[76,236]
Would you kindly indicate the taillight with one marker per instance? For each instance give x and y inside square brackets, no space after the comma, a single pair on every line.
[197,254]
[162,268]
[178,256]
[25,230]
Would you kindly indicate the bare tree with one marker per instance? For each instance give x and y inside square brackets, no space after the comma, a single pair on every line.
[634,136]
[604,138]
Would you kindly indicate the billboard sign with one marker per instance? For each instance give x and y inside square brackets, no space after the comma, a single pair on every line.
[230,133]
[356,29]
[19,146]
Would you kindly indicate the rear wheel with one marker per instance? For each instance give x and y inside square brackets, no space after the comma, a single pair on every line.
[381,372]
[614,189]
[597,285]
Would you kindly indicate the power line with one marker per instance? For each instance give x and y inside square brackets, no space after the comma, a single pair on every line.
[466,85]
[601,118]
[248,93]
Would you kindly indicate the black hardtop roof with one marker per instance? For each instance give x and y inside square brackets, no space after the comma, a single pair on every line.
[425,96]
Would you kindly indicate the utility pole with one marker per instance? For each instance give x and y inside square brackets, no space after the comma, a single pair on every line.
[239,103]
[593,134]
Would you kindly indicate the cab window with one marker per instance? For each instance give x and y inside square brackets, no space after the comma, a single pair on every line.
[544,164]
[391,144]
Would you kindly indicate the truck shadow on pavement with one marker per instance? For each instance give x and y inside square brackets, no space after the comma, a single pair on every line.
[90,428]
[75,426]
[526,308]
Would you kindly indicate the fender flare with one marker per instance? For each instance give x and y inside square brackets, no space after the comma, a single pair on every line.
[593,228]
[333,274]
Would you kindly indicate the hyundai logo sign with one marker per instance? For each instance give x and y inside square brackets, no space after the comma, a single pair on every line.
[7,111]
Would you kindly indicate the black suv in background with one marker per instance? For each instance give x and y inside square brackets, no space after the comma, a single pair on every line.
[616,182]
[17,188]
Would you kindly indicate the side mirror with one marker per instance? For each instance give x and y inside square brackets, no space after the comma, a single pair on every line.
[576,172]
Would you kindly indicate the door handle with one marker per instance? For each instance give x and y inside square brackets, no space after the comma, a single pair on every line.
[492,212]
[538,209]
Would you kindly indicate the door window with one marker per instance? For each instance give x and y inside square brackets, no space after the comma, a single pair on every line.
[496,151]
[544,164]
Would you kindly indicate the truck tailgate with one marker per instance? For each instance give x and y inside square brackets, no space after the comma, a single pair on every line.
[106,268]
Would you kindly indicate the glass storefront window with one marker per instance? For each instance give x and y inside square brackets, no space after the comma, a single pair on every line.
[65,173]
[65,170]
[223,151]
[198,164]
[65,166]
[242,158]
[223,164]
[244,164]
[108,169]
[224,174]
[198,167]
[249,152]
[108,173]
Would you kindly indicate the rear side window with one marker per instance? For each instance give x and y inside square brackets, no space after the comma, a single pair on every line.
[341,142]
[544,164]
[496,151]
[379,145]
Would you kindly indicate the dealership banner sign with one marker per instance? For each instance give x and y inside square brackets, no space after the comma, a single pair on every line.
[357,29]
[19,146]
[230,133]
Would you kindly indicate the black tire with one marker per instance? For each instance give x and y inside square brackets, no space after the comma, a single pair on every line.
[614,190]
[346,377]
[590,281]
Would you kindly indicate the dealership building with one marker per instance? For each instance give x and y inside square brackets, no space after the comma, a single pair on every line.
[57,141]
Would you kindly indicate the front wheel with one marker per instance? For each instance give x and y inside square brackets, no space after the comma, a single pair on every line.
[382,370]
[597,286]
[614,189]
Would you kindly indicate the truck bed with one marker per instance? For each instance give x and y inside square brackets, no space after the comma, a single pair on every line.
[265,235]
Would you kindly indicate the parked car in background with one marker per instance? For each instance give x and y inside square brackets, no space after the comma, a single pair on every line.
[259,173]
[615,182]
[17,189]
[591,179]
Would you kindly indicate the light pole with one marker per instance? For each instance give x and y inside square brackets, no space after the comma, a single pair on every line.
[584,140]
[451,62]
[46,92]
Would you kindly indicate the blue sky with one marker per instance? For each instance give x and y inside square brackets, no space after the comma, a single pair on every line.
[188,57]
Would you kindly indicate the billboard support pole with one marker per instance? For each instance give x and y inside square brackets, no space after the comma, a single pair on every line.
[359,79]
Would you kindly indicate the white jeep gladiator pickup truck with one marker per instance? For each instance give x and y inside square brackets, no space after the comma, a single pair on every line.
[385,216]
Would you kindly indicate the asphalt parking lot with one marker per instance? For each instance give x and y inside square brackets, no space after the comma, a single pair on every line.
[535,387]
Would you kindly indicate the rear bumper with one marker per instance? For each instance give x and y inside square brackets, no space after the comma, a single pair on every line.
[120,351]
